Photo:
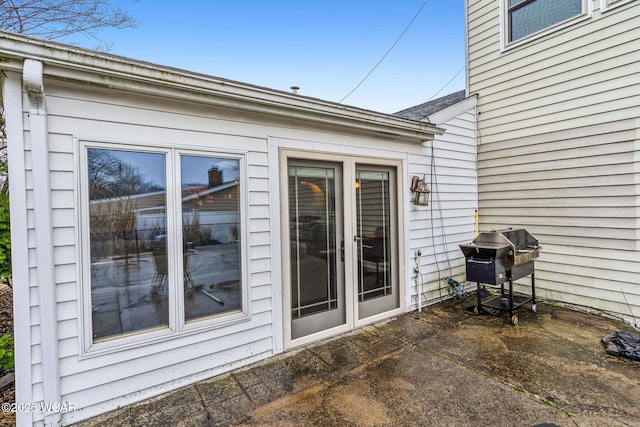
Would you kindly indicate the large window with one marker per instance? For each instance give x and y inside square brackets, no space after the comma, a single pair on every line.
[164,244]
[526,17]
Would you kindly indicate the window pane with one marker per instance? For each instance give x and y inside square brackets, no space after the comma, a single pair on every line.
[211,236]
[373,223]
[312,212]
[540,14]
[127,218]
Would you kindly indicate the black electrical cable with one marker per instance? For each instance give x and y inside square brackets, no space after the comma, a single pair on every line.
[387,53]
[435,198]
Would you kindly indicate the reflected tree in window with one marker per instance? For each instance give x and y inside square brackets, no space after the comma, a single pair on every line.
[127,215]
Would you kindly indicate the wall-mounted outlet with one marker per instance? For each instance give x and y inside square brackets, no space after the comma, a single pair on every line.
[418,252]
[416,270]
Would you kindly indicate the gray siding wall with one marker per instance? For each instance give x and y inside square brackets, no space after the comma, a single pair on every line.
[559,149]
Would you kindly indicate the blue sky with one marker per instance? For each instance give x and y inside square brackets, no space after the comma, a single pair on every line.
[326,47]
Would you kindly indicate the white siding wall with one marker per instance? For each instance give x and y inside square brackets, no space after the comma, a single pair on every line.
[558,149]
[97,384]
[438,229]
[101,381]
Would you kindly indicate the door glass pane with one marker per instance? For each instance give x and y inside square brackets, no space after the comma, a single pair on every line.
[127,212]
[373,222]
[312,213]
[210,236]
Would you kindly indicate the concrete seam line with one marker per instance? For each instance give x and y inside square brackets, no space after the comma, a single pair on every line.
[527,393]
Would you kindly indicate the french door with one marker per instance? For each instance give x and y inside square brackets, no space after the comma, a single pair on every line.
[341,244]
[375,236]
[315,247]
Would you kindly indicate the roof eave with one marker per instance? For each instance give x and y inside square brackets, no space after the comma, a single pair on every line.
[68,62]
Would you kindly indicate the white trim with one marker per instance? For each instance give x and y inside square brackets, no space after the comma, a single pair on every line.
[12,102]
[284,155]
[505,44]
[401,203]
[243,192]
[177,327]
[33,82]
[275,207]
[348,156]
[454,110]
[409,260]
[606,5]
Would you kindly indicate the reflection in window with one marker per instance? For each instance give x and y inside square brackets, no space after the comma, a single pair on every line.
[210,236]
[530,16]
[127,218]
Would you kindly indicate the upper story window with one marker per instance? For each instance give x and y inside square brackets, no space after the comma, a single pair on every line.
[526,17]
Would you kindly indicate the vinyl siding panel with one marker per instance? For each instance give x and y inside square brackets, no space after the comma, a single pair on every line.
[100,383]
[558,150]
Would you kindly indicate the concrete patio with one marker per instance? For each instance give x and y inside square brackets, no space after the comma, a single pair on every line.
[442,367]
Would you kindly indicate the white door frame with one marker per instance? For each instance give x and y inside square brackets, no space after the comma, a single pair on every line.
[348,162]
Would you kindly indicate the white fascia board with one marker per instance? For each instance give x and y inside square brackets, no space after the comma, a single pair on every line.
[454,110]
[72,63]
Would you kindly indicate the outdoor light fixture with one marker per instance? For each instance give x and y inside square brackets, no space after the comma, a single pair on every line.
[420,191]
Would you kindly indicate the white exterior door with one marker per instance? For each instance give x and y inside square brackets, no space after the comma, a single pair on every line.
[376,221]
[315,246]
[340,243]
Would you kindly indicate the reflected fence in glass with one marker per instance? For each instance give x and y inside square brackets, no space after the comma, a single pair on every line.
[127,211]
[130,272]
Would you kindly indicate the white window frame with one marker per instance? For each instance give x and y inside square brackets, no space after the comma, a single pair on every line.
[606,5]
[177,327]
[506,44]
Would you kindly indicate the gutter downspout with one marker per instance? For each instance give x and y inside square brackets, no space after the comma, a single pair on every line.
[38,133]
[13,110]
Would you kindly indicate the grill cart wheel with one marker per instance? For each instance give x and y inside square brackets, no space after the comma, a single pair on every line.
[534,308]
[514,320]
[475,310]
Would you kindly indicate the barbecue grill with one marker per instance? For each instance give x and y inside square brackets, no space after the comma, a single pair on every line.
[500,256]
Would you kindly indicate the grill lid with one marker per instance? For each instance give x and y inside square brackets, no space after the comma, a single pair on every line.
[517,238]
[517,244]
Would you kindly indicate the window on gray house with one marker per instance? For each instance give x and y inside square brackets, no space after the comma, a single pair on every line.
[526,17]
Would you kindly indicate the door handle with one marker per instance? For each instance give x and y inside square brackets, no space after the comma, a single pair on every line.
[342,250]
[357,238]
